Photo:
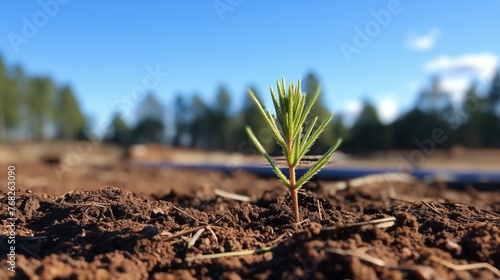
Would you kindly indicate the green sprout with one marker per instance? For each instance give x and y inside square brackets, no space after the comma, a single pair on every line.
[295,133]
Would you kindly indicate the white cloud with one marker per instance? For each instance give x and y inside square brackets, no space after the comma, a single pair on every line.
[423,42]
[456,87]
[481,66]
[456,73]
[387,110]
[351,111]
[353,108]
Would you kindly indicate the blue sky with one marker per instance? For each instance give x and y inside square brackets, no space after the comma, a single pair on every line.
[104,48]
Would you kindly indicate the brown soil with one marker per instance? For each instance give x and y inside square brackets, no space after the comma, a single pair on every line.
[139,223]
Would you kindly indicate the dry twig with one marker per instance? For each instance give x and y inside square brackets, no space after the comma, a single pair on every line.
[182,233]
[432,207]
[195,237]
[232,196]
[229,254]
[375,178]
[275,241]
[319,210]
[184,212]
[459,267]
[29,252]
[380,223]
[423,272]
[213,233]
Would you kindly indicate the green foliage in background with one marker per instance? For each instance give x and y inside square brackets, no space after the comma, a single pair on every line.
[36,108]
[10,100]
[312,85]
[120,133]
[41,91]
[151,121]
[368,133]
[69,115]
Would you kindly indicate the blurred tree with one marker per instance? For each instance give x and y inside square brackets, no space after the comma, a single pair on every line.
[3,93]
[199,129]
[338,128]
[438,111]
[13,101]
[433,110]
[417,125]
[491,116]
[434,99]
[491,130]
[3,101]
[223,101]
[221,135]
[150,108]
[250,116]
[327,139]
[493,97]
[408,127]
[368,134]
[10,101]
[68,116]
[211,127]
[21,83]
[39,103]
[150,126]
[149,130]
[183,119]
[471,131]
[120,133]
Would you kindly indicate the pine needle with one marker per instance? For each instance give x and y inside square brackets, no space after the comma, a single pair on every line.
[232,196]
[380,223]
[229,254]
[459,267]
[423,272]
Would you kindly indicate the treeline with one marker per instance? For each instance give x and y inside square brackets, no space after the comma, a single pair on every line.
[474,123]
[198,123]
[36,108]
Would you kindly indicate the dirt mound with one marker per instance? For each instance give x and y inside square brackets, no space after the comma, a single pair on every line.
[112,233]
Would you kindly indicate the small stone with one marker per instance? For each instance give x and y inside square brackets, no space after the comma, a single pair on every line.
[150,231]
[406,252]
[157,211]
[315,228]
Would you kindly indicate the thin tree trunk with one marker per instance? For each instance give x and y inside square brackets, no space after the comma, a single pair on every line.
[2,116]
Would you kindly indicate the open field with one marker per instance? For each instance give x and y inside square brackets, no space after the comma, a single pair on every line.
[234,139]
[122,222]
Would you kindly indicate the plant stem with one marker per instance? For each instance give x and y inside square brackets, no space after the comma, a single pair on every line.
[293,193]
[293,188]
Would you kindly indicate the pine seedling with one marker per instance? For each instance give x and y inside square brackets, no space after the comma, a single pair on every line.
[295,133]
